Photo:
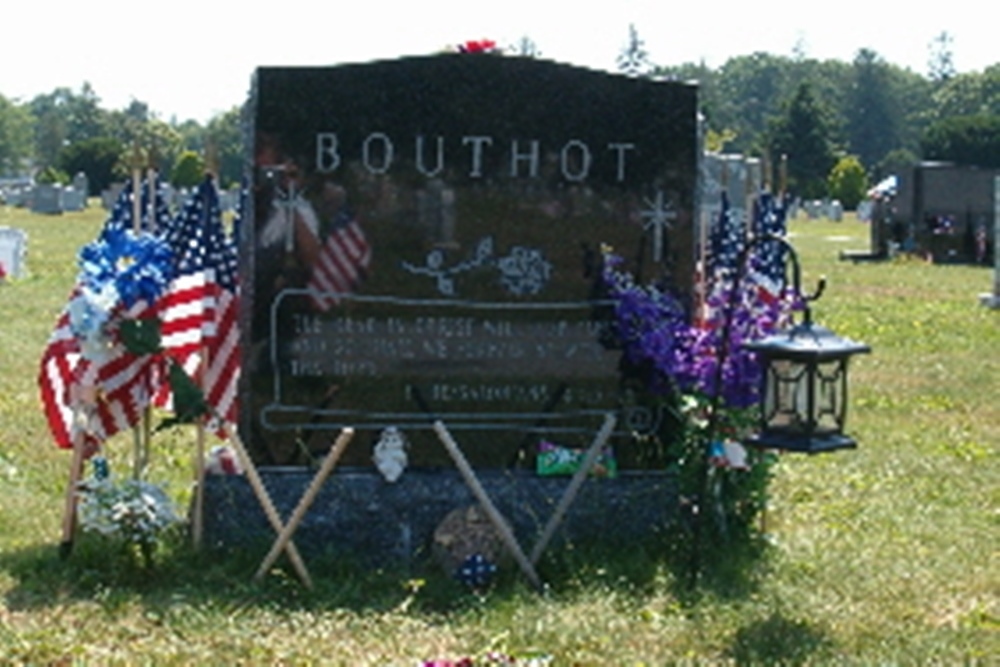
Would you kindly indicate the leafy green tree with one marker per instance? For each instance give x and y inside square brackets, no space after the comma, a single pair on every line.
[224,146]
[802,134]
[896,161]
[15,136]
[848,182]
[708,90]
[52,175]
[967,140]
[99,158]
[64,117]
[911,98]
[160,142]
[716,142]
[192,135]
[969,94]
[188,171]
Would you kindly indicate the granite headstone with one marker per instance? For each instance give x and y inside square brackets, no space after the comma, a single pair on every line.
[424,241]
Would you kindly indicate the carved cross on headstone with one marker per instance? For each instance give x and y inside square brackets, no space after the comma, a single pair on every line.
[659,215]
[287,198]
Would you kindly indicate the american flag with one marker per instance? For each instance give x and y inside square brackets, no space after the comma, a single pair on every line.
[342,262]
[124,384]
[199,311]
[767,266]
[222,370]
[153,216]
[727,242]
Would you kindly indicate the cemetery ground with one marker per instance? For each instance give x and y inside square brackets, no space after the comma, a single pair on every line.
[882,555]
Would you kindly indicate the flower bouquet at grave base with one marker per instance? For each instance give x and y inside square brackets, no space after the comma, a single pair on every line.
[134,512]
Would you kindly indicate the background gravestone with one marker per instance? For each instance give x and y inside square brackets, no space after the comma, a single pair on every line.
[47,198]
[425,237]
[82,184]
[73,199]
[13,247]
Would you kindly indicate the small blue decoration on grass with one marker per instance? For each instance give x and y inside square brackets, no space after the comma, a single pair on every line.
[476,571]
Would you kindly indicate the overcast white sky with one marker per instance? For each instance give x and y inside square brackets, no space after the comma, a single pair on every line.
[194,58]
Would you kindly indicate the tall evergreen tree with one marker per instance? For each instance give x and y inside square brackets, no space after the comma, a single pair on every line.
[633,59]
[872,119]
[941,57]
[802,133]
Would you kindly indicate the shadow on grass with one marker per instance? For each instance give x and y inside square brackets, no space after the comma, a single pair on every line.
[97,570]
[777,640]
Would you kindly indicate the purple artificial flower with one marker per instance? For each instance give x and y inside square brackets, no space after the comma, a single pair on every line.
[655,330]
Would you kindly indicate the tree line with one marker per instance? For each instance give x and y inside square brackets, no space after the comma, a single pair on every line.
[56,135]
[828,116]
[836,122]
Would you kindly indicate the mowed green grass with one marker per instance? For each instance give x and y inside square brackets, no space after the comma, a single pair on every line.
[882,555]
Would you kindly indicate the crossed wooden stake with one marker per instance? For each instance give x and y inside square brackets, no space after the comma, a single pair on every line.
[503,529]
[527,564]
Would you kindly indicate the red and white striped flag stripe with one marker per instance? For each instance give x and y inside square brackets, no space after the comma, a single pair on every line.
[341,265]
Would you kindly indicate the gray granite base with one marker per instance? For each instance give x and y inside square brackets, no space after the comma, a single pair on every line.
[360,515]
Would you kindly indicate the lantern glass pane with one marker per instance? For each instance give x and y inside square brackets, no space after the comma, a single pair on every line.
[830,385]
[786,396]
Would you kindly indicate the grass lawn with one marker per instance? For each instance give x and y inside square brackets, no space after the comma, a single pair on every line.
[886,555]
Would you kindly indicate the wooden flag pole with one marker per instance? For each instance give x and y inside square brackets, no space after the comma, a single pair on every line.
[84,399]
[783,176]
[299,513]
[138,466]
[499,523]
[197,512]
[250,470]
[198,509]
[589,459]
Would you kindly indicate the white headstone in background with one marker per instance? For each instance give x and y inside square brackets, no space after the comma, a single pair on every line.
[865,209]
[835,211]
[710,184]
[993,300]
[82,184]
[13,243]
[74,199]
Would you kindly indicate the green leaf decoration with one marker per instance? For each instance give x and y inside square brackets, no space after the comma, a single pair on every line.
[141,336]
[189,401]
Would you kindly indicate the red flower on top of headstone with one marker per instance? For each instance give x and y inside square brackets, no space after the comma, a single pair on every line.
[3,272]
[478,46]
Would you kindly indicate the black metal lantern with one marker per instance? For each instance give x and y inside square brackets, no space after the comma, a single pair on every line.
[803,394]
[803,403]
